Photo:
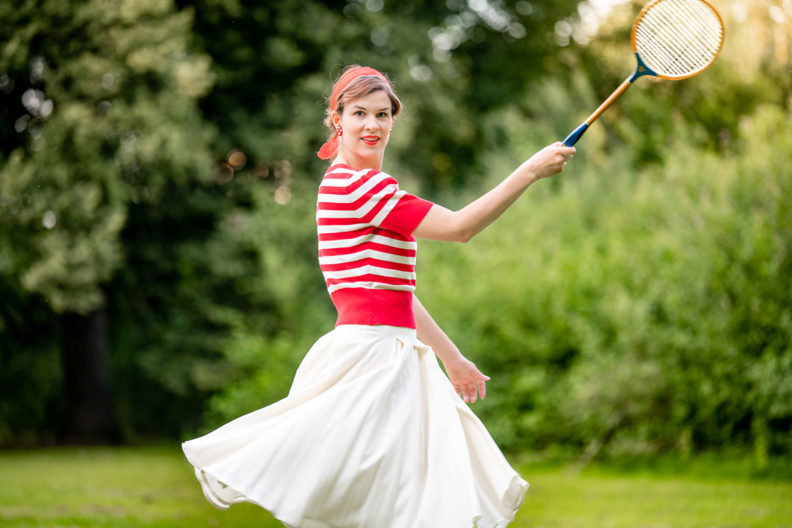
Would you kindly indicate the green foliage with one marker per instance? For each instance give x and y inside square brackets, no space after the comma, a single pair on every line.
[635,313]
[265,248]
[450,62]
[65,190]
[156,161]
[268,255]
[103,140]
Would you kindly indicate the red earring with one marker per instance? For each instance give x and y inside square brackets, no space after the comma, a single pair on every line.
[339,132]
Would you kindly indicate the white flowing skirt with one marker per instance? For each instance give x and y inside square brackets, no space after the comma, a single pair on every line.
[371,435]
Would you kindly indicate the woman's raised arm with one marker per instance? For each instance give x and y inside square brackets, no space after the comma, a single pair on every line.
[462,225]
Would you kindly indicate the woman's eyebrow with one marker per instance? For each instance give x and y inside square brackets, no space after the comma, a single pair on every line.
[358,107]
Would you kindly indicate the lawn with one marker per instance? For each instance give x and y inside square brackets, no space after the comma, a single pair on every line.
[154,487]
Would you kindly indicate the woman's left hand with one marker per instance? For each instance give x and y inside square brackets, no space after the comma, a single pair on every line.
[467,379]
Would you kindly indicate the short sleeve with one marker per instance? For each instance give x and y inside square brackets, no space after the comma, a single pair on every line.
[392,208]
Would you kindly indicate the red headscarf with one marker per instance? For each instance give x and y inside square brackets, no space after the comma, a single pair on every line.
[330,147]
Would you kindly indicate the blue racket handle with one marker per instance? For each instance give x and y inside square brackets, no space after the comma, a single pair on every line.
[572,138]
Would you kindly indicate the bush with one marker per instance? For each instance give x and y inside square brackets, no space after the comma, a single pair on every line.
[622,312]
[618,312]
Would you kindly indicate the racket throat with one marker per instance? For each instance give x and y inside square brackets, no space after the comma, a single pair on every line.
[641,69]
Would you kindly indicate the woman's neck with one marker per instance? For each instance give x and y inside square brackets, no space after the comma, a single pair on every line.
[358,164]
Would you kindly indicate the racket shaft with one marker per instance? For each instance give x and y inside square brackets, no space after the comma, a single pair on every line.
[616,93]
[572,138]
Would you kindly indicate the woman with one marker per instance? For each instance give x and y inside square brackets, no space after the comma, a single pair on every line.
[372,433]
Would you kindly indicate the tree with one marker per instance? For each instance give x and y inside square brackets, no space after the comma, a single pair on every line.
[100,115]
[452,62]
[273,71]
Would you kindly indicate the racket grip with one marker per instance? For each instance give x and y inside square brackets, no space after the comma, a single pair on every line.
[572,138]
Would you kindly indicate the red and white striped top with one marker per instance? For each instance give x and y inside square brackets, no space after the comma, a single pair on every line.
[366,248]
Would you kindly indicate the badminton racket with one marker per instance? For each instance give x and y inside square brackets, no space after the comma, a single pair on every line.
[672,39]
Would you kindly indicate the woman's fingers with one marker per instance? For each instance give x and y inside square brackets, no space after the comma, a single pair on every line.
[471,392]
[468,381]
[550,160]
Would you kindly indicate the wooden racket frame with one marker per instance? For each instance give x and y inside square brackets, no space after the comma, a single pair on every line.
[678,77]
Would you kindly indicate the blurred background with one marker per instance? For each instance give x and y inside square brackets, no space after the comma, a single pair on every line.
[158,270]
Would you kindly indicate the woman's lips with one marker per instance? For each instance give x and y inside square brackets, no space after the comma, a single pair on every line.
[370,140]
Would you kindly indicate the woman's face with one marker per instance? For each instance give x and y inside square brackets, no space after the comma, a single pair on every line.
[366,124]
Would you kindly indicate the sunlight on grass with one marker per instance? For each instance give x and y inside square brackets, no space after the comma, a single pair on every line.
[126,487]
[597,498]
[155,487]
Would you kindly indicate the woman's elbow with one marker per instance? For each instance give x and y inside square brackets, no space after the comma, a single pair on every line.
[463,235]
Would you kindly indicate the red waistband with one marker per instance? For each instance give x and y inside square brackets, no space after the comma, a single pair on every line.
[374,307]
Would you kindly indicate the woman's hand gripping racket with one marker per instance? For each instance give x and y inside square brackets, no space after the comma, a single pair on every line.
[672,39]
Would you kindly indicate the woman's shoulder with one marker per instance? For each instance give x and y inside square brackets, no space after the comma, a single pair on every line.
[344,175]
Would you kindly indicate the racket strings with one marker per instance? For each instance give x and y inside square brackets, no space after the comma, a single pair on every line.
[675,49]
[677,38]
[683,27]
[688,54]
[690,44]
[698,48]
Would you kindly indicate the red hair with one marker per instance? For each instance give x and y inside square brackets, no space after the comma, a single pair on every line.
[355,82]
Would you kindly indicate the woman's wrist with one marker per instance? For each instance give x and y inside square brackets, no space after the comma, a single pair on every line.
[449,356]
[528,173]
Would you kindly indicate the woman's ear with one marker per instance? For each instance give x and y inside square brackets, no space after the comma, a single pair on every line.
[336,118]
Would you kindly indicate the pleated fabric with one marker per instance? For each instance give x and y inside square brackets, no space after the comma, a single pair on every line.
[371,435]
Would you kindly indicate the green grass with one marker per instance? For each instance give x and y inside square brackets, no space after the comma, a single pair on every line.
[604,499]
[155,487]
[104,487]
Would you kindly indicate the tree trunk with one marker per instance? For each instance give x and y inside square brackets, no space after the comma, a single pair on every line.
[89,414]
